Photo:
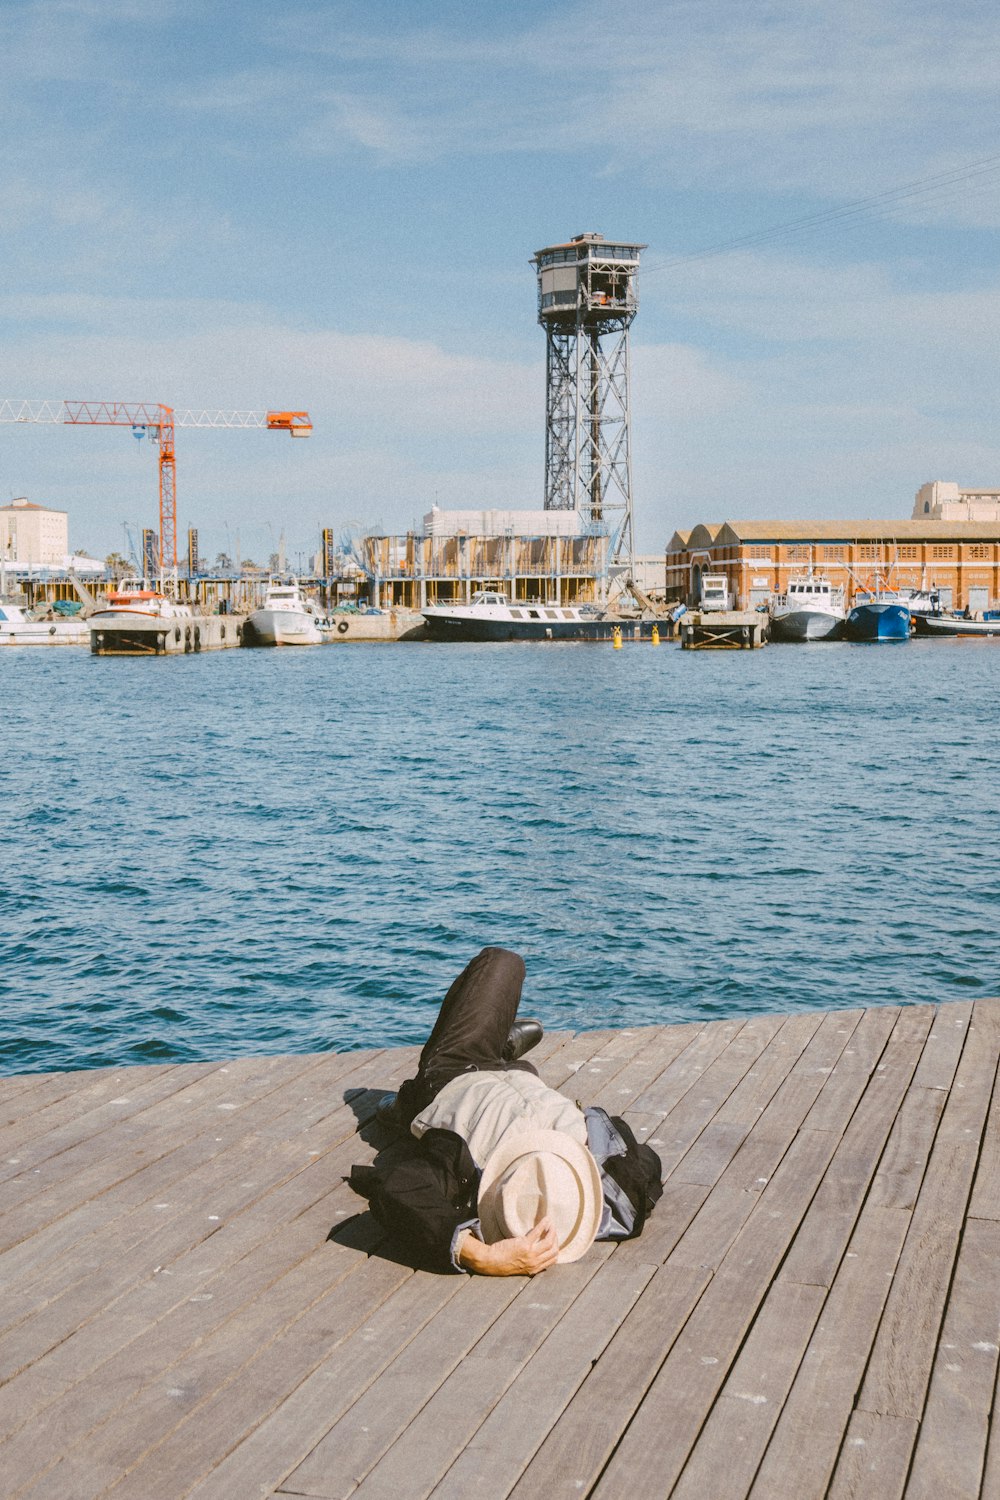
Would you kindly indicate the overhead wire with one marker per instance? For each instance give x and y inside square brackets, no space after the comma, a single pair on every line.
[885,202]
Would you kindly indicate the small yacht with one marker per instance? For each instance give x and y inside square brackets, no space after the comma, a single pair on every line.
[285,618]
[492,617]
[811,610]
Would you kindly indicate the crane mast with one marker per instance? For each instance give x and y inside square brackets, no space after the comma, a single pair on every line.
[158,422]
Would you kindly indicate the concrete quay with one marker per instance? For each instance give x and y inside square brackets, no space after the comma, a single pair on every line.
[195,1304]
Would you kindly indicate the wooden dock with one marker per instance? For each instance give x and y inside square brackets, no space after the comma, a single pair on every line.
[191,1307]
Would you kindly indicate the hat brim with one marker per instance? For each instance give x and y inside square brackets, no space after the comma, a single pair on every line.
[524,1143]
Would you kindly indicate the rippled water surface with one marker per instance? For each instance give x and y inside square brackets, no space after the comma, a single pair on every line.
[295,850]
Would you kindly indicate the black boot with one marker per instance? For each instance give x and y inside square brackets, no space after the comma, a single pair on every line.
[523,1035]
[389,1114]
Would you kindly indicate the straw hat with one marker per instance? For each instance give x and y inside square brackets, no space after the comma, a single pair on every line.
[539,1172]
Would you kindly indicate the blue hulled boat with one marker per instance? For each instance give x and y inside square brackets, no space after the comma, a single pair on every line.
[884,617]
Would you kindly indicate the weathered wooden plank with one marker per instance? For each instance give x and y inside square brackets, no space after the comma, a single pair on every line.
[875,1458]
[579,1444]
[794,1097]
[849,1077]
[653,1451]
[87,1169]
[382,1413]
[109,1366]
[155,1240]
[34,1138]
[828,1225]
[160,1444]
[686,1069]
[729,1448]
[899,1370]
[803,1449]
[644,1068]
[292,1429]
[951,1448]
[434,1437]
[492,1461]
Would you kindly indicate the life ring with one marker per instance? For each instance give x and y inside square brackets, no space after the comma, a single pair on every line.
[52,630]
[177,633]
[342,627]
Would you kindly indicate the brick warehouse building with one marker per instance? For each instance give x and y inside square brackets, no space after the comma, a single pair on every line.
[960,558]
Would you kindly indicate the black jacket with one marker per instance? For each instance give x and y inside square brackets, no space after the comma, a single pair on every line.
[424,1191]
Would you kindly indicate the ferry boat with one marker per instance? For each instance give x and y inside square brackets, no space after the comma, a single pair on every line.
[493,617]
[284,619]
[811,610]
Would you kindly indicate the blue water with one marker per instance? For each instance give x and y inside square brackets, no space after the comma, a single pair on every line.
[295,850]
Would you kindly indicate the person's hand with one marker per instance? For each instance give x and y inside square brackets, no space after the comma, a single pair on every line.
[525,1255]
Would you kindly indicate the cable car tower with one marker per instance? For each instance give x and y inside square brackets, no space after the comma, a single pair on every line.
[586,301]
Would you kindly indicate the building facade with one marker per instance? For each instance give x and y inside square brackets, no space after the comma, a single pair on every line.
[33,535]
[959,558]
[941,500]
[543,556]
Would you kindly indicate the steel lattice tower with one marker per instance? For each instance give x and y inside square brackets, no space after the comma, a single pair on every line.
[586,302]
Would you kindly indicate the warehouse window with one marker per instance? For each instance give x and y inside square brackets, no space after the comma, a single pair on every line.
[907,554]
[980,551]
[833,554]
[798,554]
[869,553]
[942,553]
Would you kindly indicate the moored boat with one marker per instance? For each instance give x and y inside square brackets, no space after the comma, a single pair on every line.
[140,621]
[285,618]
[810,610]
[492,616]
[948,624]
[880,618]
[46,627]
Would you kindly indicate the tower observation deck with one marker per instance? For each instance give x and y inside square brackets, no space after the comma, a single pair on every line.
[586,301]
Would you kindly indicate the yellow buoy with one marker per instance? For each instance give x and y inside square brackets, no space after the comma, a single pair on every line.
[616,638]
[655,635]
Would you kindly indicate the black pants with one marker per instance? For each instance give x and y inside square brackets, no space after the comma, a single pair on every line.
[471,1030]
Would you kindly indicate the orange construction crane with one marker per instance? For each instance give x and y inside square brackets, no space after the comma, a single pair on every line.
[158,422]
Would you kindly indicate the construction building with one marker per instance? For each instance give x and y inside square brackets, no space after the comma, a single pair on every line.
[958,557]
[540,555]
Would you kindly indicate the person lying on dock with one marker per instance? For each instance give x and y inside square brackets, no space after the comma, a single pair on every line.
[502,1175]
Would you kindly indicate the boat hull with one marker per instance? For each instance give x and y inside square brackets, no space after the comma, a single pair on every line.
[119,633]
[458,628]
[942,625]
[806,625]
[281,627]
[44,633]
[878,620]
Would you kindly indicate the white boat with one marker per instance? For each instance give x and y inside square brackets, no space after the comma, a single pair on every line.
[284,619]
[493,617]
[140,621]
[44,627]
[811,610]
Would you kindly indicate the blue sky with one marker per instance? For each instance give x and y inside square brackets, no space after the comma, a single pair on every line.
[334,207]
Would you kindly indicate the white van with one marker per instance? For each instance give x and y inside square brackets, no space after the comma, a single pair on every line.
[714,592]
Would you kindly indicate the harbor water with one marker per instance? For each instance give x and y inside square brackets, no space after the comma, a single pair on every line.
[288,851]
